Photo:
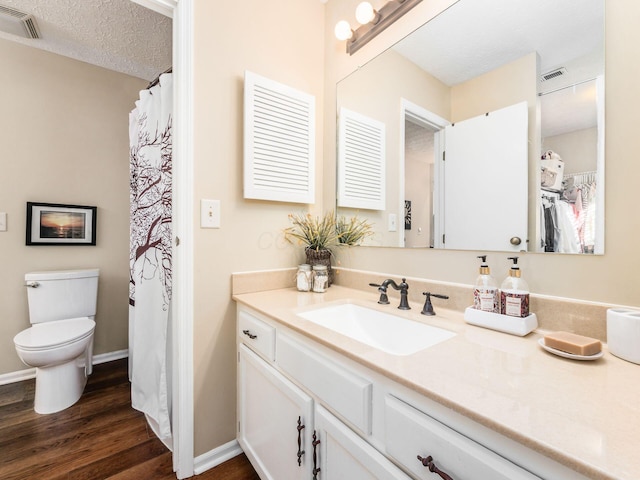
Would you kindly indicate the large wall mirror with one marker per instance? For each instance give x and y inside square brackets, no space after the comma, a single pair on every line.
[481,130]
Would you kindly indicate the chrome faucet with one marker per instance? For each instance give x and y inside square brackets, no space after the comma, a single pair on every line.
[403,287]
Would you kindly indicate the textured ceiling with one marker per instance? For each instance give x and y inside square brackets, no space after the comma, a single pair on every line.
[115,34]
[474,37]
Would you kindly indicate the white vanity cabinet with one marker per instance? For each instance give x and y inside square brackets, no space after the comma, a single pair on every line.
[269,406]
[358,423]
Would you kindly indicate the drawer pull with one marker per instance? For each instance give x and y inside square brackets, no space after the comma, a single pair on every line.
[428,462]
[315,443]
[249,334]
[300,451]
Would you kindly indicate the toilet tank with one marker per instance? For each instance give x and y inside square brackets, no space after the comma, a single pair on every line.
[57,295]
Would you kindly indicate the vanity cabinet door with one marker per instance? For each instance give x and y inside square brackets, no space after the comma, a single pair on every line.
[269,407]
[340,454]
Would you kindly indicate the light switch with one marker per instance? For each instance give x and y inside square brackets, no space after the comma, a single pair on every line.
[3,221]
[209,213]
[393,222]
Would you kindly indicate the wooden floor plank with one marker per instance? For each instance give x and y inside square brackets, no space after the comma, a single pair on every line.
[159,468]
[100,437]
[238,468]
[107,466]
[66,435]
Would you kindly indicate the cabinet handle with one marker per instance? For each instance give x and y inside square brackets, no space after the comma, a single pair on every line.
[249,334]
[315,443]
[428,462]
[300,451]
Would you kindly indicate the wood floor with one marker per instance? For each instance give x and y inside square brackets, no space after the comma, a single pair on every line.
[100,437]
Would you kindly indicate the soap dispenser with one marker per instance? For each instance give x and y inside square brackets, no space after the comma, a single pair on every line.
[486,296]
[514,296]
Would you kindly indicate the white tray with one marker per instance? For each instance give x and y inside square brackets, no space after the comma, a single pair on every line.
[502,323]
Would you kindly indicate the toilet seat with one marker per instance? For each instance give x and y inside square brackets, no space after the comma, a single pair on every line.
[48,335]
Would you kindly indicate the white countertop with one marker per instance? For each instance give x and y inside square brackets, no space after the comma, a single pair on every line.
[583,414]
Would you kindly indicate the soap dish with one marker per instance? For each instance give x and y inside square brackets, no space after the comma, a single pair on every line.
[502,323]
[573,356]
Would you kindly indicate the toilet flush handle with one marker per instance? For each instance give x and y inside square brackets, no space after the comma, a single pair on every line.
[32,284]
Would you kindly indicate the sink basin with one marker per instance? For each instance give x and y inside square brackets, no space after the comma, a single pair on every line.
[384,331]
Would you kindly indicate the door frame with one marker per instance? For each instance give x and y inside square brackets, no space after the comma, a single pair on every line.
[182,413]
[423,117]
[183,259]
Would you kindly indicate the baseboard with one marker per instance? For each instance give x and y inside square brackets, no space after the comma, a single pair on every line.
[110,357]
[19,376]
[29,373]
[215,457]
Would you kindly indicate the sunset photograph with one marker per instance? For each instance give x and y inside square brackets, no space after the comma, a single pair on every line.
[62,224]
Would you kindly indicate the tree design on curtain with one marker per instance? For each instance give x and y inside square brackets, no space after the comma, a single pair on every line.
[150,208]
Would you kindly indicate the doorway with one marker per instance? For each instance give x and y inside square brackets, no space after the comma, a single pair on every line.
[419,158]
[421,144]
[182,13]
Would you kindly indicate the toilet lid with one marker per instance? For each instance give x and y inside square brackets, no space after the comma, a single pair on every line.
[54,334]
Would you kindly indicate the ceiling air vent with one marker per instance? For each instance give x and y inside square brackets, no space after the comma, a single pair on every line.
[18,23]
[558,72]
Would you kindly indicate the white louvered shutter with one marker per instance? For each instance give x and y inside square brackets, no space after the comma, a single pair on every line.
[361,161]
[279,142]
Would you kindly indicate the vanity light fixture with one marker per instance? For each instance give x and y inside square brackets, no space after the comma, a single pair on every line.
[365,13]
[372,22]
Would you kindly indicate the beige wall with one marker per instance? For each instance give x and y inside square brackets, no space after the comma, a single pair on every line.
[504,86]
[64,129]
[609,278]
[281,40]
[578,149]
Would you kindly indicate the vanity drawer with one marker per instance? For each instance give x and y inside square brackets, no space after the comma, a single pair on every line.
[347,393]
[410,433]
[257,335]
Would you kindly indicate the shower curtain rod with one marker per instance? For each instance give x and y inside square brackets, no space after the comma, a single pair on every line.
[155,81]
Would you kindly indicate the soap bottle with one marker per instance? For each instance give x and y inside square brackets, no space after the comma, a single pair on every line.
[486,296]
[514,295]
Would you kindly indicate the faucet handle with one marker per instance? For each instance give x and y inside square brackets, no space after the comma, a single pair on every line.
[384,300]
[428,307]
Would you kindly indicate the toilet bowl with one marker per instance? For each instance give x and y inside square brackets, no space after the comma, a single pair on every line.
[59,344]
[61,352]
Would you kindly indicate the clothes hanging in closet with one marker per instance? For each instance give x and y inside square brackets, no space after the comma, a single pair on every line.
[568,220]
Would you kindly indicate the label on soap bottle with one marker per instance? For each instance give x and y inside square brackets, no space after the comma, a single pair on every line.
[486,300]
[515,304]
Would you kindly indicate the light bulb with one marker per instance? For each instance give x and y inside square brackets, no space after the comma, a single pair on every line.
[343,30]
[365,13]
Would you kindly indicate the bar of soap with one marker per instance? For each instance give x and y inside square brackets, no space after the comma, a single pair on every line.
[573,343]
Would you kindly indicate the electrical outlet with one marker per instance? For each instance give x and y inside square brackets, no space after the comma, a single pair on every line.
[209,213]
[393,222]
[3,221]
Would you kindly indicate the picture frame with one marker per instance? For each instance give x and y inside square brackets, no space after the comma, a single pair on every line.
[60,224]
[407,214]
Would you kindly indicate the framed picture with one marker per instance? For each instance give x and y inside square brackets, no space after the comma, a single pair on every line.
[55,224]
[407,214]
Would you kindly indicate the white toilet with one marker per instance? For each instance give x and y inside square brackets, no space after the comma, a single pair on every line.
[62,308]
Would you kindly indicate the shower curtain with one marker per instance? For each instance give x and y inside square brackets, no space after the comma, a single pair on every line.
[150,255]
